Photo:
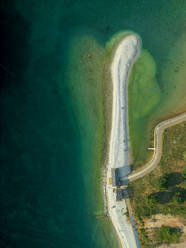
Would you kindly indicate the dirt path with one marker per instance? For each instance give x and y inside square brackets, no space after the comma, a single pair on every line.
[158,132]
[123,59]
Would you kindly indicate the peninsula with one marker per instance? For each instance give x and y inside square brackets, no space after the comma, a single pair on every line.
[118,158]
[118,173]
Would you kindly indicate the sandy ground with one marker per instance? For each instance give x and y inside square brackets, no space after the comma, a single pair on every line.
[158,220]
[179,245]
[124,57]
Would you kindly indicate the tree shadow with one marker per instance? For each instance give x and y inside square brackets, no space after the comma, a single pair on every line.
[172,179]
[182,192]
[163,197]
[130,191]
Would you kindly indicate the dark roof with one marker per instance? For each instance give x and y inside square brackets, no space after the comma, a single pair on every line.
[121,194]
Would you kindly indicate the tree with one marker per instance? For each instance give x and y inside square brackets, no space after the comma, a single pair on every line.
[167,234]
[184,155]
[152,200]
[184,173]
[177,197]
[163,183]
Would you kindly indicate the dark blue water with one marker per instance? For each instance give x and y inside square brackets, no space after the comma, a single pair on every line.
[43,194]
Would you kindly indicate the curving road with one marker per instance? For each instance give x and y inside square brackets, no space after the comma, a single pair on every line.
[158,131]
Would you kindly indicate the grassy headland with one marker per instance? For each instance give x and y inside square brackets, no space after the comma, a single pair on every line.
[158,199]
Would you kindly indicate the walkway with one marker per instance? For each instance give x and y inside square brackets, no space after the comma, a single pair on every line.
[158,132]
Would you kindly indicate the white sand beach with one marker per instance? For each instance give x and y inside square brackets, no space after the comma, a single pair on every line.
[123,59]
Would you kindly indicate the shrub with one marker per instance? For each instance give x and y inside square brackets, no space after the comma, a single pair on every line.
[184,155]
[163,183]
[184,171]
[167,234]
[177,197]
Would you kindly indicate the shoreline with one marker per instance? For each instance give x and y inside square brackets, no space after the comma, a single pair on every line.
[118,155]
[116,211]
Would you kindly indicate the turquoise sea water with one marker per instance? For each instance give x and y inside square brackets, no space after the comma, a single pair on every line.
[48,195]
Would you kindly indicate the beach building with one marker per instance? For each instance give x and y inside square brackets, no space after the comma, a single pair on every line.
[121,193]
[118,177]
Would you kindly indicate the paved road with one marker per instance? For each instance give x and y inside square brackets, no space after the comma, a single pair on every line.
[158,131]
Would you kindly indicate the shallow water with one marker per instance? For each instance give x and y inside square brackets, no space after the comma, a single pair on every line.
[52,111]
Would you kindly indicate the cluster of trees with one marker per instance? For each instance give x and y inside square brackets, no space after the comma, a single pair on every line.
[176,196]
[167,192]
[170,180]
[163,183]
[147,207]
[167,234]
[184,171]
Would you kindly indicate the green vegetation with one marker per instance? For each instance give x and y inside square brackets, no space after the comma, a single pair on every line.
[184,172]
[163,183]
[177,198]
[163,191]
[144,95]
[184,155]
[167,234]
[144,239]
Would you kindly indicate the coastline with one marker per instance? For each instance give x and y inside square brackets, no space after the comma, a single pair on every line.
[171,165]
[118,156]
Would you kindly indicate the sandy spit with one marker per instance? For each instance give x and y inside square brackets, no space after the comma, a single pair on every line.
[118,157]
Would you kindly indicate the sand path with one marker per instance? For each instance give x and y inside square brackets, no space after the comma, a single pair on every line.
[123,59]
